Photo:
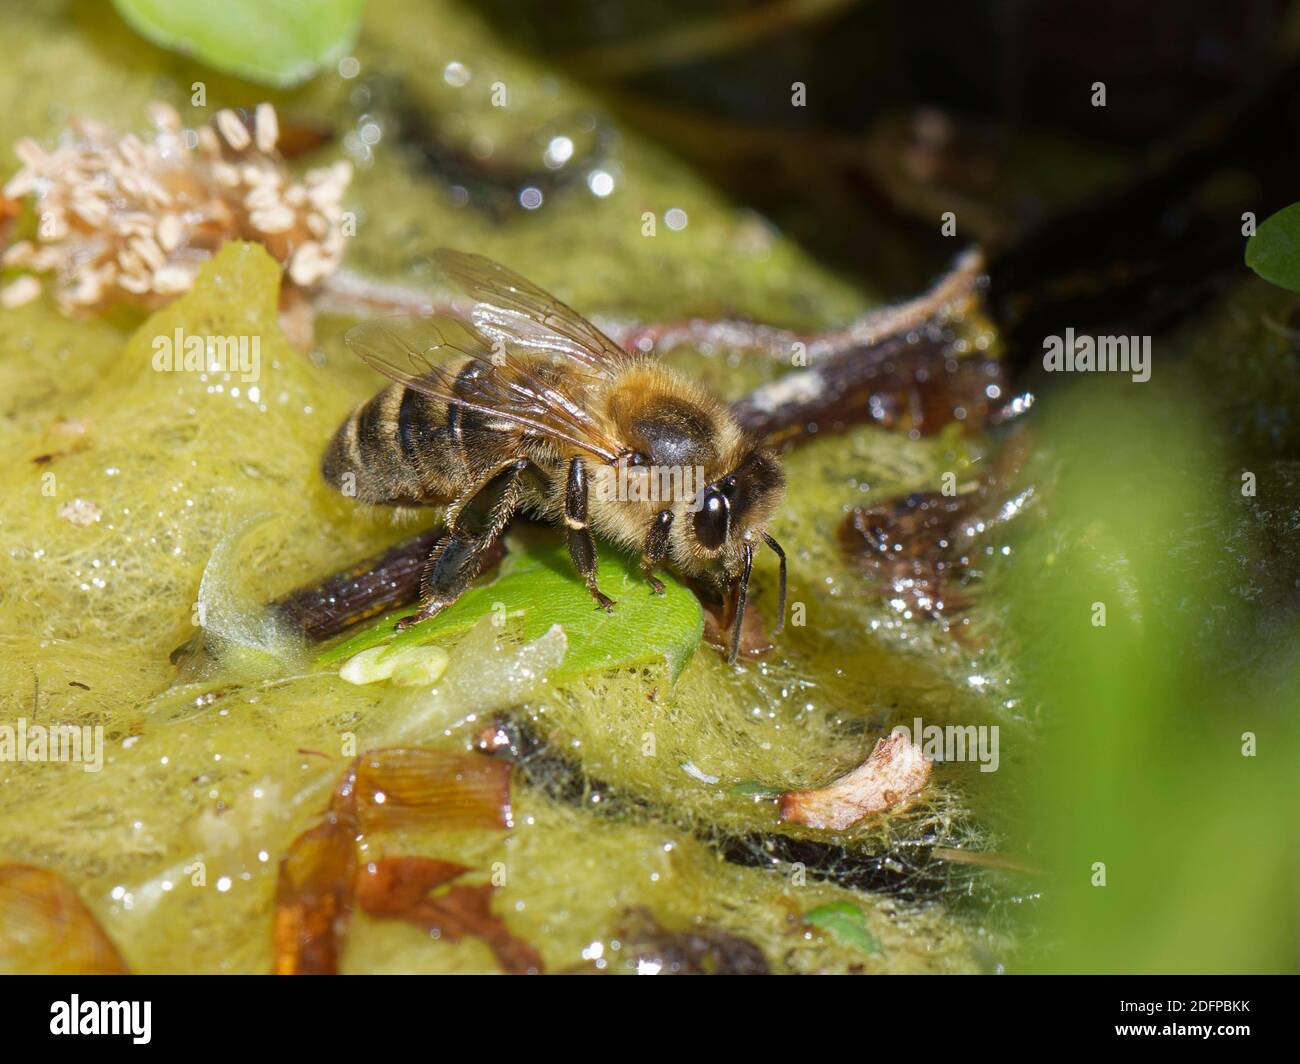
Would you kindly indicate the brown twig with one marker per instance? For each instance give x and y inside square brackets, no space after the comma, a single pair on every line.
[367,589]
[353,294]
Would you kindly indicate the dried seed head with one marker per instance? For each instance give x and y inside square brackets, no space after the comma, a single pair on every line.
[129,219]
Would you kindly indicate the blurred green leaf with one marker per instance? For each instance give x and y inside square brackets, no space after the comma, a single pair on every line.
[272,42]
[1170,847]
[537,582]
[1274,251]
[846,922]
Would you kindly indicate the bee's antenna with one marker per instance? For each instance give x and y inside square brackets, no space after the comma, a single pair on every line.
[780,597]
[747,566]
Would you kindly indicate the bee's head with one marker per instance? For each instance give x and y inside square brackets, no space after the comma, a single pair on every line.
[733,510]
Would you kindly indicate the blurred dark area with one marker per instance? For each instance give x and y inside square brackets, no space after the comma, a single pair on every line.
[1126,213]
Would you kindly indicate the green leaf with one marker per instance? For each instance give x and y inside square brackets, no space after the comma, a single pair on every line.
[846,922]
[537,583]
[1274,251]
[272,42]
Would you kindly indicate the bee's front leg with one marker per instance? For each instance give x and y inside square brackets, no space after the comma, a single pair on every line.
[656,546]
[582,548]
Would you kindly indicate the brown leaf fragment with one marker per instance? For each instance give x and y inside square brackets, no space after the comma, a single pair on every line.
[388,788]
[399,888]
[394,886]
[46,929]
[399,787]
[895,771]
[313,898]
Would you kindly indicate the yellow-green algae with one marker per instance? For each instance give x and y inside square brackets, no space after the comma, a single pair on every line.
[226,769]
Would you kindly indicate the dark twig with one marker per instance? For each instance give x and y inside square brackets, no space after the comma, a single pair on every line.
[367,589]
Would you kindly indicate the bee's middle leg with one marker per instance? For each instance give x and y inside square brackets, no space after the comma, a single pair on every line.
[582,548]
[458,554]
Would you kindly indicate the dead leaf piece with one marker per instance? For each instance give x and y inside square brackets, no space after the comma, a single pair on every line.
[398,888]
[402,787]
[895,771]
[46,929]
[394,886]
[385,789]
[313,898]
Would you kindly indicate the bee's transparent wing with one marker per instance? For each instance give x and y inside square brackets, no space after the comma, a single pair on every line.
[415,352]
[514,310]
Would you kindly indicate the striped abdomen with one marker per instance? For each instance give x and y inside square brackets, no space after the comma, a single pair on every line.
[402,446]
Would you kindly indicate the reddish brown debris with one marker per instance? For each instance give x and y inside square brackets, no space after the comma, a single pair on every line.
[398,787]
[895,771]
[313,898]
[399,888]
[46,929]
[386,789]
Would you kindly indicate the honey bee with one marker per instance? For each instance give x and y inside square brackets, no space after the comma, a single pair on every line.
[529,406]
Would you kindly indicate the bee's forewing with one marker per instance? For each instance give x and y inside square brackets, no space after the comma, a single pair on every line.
[516,310]
[415,351]
[416,343]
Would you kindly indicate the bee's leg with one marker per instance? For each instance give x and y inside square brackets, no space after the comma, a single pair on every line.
[582,548]
[458,554]
[451,568]
[656,546]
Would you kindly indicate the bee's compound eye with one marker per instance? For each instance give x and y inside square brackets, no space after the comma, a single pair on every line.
[712,520]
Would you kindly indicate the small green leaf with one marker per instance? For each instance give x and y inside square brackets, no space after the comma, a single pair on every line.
[272,42]
[753,789]
[846,922]
[537,583]
[1274,251]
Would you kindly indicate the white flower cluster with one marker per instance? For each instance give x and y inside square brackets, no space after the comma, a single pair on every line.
[123,219]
